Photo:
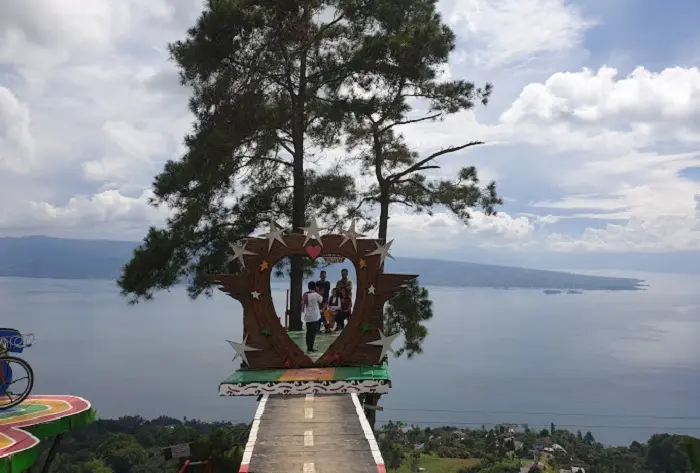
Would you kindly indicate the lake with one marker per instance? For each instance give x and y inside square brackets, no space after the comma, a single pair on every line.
[620,364]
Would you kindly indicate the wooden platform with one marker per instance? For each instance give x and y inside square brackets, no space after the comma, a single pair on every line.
[341,380]
[311,434]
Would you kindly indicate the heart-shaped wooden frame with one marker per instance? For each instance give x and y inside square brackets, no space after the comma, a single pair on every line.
[262,327]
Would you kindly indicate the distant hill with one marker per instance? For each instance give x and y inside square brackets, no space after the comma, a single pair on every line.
[59,258]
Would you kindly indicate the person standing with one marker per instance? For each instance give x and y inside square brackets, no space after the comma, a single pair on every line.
[312,302]
[344,286]
[323,286]
[334,305]
[345,310]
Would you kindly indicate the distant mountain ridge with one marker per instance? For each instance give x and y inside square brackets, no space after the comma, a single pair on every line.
[61,258]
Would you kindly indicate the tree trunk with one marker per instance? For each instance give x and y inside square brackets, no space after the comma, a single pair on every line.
[373,399]
[383,213]
[299,194]
[298,220]
[295,293]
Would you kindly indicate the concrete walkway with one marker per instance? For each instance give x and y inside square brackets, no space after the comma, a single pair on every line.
[311,434]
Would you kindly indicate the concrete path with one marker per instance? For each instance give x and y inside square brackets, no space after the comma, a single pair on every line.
[311,434]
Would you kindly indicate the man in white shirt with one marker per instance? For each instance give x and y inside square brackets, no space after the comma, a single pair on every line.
[311,302]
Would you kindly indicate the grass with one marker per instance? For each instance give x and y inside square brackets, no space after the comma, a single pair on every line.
[323,342]
[433,464]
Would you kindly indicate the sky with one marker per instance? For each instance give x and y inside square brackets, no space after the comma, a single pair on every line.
[591,134]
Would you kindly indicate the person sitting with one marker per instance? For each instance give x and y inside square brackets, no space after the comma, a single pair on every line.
[322,289]
[334,306]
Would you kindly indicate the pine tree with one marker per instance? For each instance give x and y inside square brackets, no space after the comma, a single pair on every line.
[403,59]
[261,72]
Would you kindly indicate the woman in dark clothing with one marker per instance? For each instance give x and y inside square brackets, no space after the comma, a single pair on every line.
[334,306]
[345,309]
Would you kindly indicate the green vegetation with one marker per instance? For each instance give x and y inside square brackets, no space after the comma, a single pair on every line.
[509,449]
[435,464]
[134,445]
[692,449]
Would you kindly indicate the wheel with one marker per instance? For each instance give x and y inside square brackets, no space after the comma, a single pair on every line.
[16,381]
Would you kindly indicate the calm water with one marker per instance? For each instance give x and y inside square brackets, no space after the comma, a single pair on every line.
[618,364]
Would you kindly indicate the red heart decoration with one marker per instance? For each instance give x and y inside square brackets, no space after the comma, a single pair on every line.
[313,251]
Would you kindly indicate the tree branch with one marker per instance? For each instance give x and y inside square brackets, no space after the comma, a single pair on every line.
[423,168]
[423,187]
[406,122]
[277,160]
[395,101]
[361,203]
[417,166]
[395,200]
[288,150]
[328,25]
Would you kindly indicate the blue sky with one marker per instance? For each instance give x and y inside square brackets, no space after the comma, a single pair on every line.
[592,131]
[647,32]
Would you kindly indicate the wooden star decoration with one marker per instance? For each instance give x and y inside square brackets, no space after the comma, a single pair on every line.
[382,251]
[312,232]
[255,295]
[241,349]
[385,342]
[363,263]
[350,235]
[239,251]
[371,290]
[275,233]
[264,265]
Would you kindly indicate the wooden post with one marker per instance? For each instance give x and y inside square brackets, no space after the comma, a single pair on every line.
[286,311]
[184,466]
[371,407]
[52,454]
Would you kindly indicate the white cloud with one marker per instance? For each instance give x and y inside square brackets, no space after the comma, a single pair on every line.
[613,120]
[107,215]
[642,109]
[509,31]
[16,142]
[90,109]
[134,150]
[442,232]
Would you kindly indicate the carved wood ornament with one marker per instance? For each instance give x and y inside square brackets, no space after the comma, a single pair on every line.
[266,337]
